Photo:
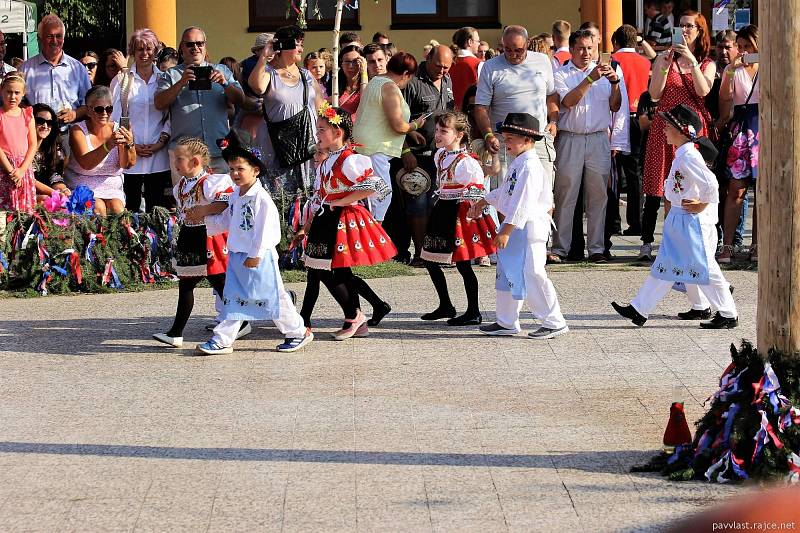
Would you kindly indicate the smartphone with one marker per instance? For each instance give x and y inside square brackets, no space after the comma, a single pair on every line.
[677,36]
[284,44]
[125,122]
[605,58]
[426,116]
[201,81]
[750,59]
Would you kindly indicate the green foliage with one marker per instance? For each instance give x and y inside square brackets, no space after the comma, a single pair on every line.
[82,18]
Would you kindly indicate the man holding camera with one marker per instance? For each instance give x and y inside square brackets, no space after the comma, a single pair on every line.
[197,94]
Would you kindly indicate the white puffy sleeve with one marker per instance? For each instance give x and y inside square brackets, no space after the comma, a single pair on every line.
[217,188]
[469,172]
[358,170]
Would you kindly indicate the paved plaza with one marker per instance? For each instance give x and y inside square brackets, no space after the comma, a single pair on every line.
[418,428]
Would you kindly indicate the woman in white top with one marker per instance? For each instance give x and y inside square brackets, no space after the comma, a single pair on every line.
[135,88]
[740,91]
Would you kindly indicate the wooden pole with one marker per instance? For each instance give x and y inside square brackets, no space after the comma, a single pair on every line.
[778,183]
[611,20]
[337,24]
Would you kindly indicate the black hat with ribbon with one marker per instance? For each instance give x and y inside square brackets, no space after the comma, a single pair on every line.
[688,122]
[237,143]
[521,124]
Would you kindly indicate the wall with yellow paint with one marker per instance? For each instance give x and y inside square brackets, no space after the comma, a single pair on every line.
[226,23]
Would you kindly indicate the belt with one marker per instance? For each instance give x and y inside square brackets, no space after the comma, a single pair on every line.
[573,134]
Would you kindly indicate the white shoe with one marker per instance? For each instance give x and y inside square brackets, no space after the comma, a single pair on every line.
[212,348]
[175,342]
[645,253]
[247,329]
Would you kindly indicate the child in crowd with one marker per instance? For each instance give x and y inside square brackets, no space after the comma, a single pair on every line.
[200,252]
[451,237]
[690,236]
[525,202]
[17,148]
[341,232]
[48,163]
[253,286]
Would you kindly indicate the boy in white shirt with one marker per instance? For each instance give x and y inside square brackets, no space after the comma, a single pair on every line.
[526,203]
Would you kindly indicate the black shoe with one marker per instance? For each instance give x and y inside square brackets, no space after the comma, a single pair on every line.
[576,258]
[630,313]
[720,322]
[467,319]
[378,312]
[632,232]
[730,288]
[696,314]
[439,313]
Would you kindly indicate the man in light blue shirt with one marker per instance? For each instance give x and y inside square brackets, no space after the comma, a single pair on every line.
[55,78]
[198,113]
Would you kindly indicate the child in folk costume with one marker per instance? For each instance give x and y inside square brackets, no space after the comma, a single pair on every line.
[525,200]
[451,236]
[690,238]
[253,286]
[341,233]
[200,252]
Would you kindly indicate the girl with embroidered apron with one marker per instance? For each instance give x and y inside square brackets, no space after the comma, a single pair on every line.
[526,201]
[197,255]
[451,236]
[342,234]
[253,286]
[687,250]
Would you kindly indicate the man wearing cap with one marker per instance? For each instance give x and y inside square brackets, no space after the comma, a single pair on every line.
[429,91]
[589,94]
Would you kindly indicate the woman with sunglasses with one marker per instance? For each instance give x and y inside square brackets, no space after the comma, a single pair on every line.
[48,163]
[90,60]
[101,149]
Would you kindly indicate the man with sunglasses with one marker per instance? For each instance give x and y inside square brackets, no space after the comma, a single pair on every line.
[197,112]
[55,78]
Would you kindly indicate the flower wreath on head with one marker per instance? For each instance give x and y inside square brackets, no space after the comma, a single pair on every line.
[327,111]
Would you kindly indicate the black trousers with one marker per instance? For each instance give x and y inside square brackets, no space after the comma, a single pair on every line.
[649,218]
[157,191]
[186,299]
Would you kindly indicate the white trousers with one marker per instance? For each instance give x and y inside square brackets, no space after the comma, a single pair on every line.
[716,294]
[542,297]
[289,323]
[380,165]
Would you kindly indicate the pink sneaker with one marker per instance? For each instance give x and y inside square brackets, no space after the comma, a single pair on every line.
[352,329]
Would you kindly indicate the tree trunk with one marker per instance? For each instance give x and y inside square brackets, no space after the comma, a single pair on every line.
[778,186]
[337,24]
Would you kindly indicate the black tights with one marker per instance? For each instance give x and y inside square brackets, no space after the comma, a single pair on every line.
[440,284]
[650,218]
[186,299]
[339,282]
[312,294]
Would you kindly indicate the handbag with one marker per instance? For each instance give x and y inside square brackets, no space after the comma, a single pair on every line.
[292,138]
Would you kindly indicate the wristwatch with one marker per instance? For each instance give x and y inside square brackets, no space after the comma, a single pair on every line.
[614,82]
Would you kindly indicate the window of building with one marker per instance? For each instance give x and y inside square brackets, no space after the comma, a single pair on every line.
[444,13]
[269,15]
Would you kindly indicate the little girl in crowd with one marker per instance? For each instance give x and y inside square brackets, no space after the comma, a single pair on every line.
[253,286]
[451,236]
[201,252]
[340,232]
[17,148]
[525,203]
[690,237]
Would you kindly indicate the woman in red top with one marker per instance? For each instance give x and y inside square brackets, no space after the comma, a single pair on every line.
[683,75]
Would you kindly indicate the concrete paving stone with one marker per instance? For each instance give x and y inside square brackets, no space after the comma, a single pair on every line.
[102,515]
[32,514]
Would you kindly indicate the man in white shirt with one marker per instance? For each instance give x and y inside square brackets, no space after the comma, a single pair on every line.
[589,94]
[519,81]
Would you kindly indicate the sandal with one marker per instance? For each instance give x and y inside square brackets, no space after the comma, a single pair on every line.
[725,255]
[352,329]
[754,253]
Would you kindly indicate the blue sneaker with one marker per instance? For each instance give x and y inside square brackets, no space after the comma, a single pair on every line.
[292,344]
[212,348]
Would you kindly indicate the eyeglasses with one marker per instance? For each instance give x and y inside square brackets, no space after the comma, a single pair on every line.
[99,109]
[194,44]
[90,66]
[41,121]
[687,26]
[353,62]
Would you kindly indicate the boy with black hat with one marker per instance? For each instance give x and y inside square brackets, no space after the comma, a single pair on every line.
[690,238]
[526,203]
[253,286]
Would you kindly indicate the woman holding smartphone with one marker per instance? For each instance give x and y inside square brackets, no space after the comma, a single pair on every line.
[150,127]
[684,74]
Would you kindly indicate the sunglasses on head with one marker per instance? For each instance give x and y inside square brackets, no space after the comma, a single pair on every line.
[194,44]
[41,121]
[99,109]
[90,66]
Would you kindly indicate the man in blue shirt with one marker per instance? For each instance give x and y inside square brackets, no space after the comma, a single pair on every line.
[196,112]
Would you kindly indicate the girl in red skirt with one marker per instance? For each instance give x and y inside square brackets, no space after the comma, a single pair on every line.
[451,237]
[341,232]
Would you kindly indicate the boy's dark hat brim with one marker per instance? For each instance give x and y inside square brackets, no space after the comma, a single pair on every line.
[235,146]
[519,130]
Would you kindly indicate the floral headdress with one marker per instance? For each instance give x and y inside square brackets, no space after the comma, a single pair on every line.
[254,150]
[328,112]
